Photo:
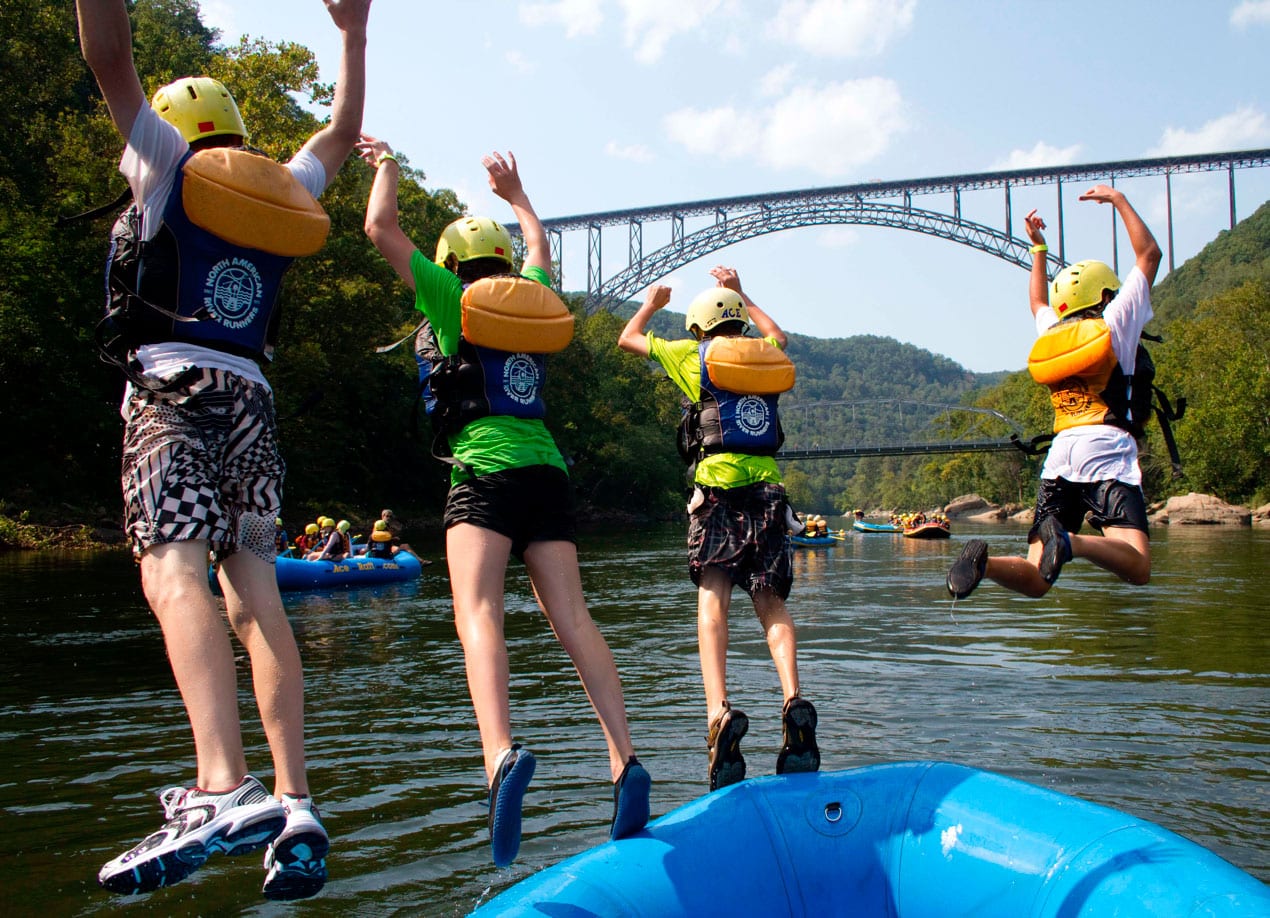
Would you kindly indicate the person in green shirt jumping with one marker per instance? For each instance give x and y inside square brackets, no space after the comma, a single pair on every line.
[738,512]
[510,493]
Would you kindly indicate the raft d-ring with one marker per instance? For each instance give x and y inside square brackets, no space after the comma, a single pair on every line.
[833,811]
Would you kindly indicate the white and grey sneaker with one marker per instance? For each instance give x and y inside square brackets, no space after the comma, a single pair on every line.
[295,863]
[198,825]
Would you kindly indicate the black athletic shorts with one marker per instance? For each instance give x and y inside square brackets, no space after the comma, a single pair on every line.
[1108,503]
[530,504]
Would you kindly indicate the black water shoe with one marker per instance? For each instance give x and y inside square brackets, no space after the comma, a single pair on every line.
[968,569]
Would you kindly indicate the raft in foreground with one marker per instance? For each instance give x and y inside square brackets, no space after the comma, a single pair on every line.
[910,840]
[297,574]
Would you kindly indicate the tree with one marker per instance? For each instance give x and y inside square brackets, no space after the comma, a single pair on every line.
[1220,359]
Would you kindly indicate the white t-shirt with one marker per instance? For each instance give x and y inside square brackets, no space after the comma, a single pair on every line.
[1101,452]
[149,164]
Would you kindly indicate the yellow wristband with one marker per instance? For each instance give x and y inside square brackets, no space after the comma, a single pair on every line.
[387,156]
[1038,249]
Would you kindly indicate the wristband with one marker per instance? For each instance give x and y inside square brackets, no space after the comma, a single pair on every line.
[387,156]
[1038,249]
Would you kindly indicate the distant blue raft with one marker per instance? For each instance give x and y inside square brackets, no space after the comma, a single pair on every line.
[296,574]
[908,840]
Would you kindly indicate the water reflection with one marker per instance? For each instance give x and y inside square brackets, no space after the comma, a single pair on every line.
[1152,700]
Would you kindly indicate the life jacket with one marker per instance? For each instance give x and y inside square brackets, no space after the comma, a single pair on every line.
[1076,361]
[509,325]
[231,227]
[741,382]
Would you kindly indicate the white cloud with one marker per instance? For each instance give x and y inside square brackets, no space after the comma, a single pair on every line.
[519,62]
[650,24]
[1250,13]
[843,28]
[1040,155]
[829,130]
[773,82]
[1243,129]
[219,14]
[724,133]
[635,152]
[837,237]
[578,17]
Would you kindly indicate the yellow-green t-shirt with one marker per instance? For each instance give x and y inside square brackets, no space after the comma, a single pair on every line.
[682,362]
[489,444]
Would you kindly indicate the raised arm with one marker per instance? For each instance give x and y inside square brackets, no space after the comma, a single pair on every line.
[633,338]
[1038,283]
[105,36]
[334,142]
[382,225]
[1145,249]
[766,325]
[504,180]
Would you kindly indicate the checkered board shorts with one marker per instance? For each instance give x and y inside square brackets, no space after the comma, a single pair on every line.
[201,461]
[741,531]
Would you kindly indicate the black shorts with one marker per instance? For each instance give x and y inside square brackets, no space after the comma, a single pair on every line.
[741,531]
[1108,503]
[530,504]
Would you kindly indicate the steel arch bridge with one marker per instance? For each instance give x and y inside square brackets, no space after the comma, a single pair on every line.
[736,219]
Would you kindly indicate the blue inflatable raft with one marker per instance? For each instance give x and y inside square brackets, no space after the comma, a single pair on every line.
[297,574]
[904,840]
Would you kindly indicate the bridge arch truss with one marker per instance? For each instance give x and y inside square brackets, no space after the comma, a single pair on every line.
[888,204]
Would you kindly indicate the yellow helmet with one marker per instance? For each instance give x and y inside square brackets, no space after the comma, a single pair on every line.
[328,523]
[381,525]
[199,107]
[714,307]
[344,526]
[311,529]
[1080,286]
[474,237]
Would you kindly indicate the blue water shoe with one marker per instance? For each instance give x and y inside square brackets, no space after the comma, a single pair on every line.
[512,772]
[630,800]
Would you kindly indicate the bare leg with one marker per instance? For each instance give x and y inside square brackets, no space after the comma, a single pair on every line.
[1125,552]
[258,618]
[1023,575]
[553,568]
[714,597]
[477,560]
[174,579]
[778,626]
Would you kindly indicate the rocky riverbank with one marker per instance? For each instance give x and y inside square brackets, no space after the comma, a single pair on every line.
[1184,510]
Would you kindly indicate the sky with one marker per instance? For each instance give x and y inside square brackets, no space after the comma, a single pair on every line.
[614,104]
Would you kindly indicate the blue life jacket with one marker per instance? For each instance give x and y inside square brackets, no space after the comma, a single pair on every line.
[723,421]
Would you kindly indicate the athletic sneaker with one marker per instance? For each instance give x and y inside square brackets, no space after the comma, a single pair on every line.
[295,863]
[512,771]
[968,569]
[630,800]
[723,739]
[1057,548]
[799,752]
[198,825]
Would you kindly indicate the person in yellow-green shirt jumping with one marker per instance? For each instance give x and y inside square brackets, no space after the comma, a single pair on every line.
[485,346]
[738,512]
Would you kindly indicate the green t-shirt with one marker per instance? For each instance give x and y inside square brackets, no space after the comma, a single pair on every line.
[682,362]
[490,444]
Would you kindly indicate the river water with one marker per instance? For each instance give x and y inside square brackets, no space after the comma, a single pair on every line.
[1152,700]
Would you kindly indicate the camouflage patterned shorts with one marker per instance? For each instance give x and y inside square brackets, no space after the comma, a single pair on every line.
[741,531]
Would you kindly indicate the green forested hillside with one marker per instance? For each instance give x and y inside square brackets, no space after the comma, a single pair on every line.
[1234,257]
